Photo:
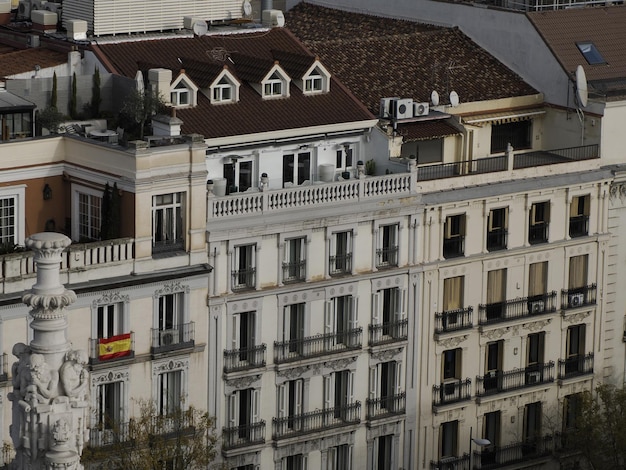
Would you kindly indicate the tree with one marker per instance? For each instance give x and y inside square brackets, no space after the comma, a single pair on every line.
[73,97]
[142,105]
[599,428]
[95,93]
[53,95]
[182,440]
[50,118]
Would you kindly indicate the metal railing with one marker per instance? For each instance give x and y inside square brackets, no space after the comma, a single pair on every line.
[538,233]
[318,345]
[500,456]
[575,366]
[244,359]
[452,391]
[516,308]
[317,420]
[386,406]
[451,463]
[101,436]
[390,332]
[454,320]
[454,247]
[340,264]
[549,157]
[574,298]
[245,435]
[466,167]
[243,279]
[579,226]
[178,337]
[497,239]
[294,271]
[387,257]
[94,350]
[503,381]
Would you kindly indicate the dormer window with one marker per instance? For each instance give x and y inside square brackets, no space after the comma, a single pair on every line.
[313,82]
[180,95]
[316,80]
[183,92]
[273,86]
[223,91]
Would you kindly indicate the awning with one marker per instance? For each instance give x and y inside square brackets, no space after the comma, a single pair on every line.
[426,130]
[503,117]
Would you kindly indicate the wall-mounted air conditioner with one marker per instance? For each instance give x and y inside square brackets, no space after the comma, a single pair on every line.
[169,337]
[420,109]
[385,107]
[576,300]
[32,40]
[403,108]
[538,306]
[23,9]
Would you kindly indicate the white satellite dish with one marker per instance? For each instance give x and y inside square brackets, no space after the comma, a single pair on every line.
[582,92]
[247,8]
[200,28]
[454,99]
[434,98]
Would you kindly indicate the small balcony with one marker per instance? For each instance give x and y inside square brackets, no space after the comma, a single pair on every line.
[242,436]
[181,337]
[454,247]
[384,407]
[386,333]
[318,345]
[516,308]
[318,420]
[579,226]
[538,233]
[451,463]
[454,320]
[340,264]
[238,360]
[581,297]
[452,391]
[243,279]
[387,257]
[576,366]
[504,381]
[497,239]
[510,454]
[112,348]
[294,271]
[101,436]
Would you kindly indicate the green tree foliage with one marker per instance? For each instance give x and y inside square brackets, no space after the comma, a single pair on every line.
[50,118]
[141,106]
[53,95]
[183,440]
[95,93]
[73,98]
[599,433]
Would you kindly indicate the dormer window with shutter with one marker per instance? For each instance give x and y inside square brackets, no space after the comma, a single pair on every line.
[183,92]
[276,84]
[316,80]
[225,89]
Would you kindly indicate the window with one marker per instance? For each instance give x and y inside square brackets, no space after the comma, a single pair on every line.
[110,320]
[454,236]
[496,294]
[294,462]
[576,341]
[576,362]
[453,294]
[170,392]
[89,212]
[170,312]
[290,404]
[341,322]
[167,222]
[12,216]
[451,364]
[384,447]
[539,223]
[577,281]
[448,439]
[294,266]
[537,288]
[387,312]
[273,86]
[385,385]
[387,253]
[339,394]
[293,327]
[579,216]
[180,95]
[339,458]
[532,427]
[314,82]
[590,52]
[296,168]
[571,409]
[534,358]
[244,334]
[341,253]
[518,134]
[491,432]
[493,365]
[223,91]
[238,175]
[243,415]
[244,267]
[18,125]
[345,157]
[109,405]
[497,229]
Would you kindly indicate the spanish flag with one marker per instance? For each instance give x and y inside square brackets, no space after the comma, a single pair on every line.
[115,346]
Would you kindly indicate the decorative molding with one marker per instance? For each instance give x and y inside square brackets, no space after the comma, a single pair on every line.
[293,373]
[172,288]
[576,317]
[452,342]
[617,190]
[242,382]
[170,365]
[340,364]
[386,354]
[108,377]
[42,304]
[537,325]
[496,333]
[110,298]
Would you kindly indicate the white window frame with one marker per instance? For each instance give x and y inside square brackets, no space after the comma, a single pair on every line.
[120,304]
[18,195]
[250,266]
[183,86]
[275,84]
[106,377]
[332,462]
[166,366]
[316,80]
[349,249]
[169,228]
[224,81]
[180,95]
[181,304]
[346,156]
[77,191]
[233,407]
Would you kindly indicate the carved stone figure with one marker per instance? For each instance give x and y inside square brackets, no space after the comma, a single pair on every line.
[19,369]
[74,375]
[43,380]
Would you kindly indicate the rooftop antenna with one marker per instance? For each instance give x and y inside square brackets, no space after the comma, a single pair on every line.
[200,28]
[434,98]
[454,99]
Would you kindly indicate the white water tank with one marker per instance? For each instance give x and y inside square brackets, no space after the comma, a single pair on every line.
[219,186]
[327,172]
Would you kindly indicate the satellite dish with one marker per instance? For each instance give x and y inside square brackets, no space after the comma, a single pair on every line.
[434,98]
[454,99]
[582,92]
[247,8]
[200,28]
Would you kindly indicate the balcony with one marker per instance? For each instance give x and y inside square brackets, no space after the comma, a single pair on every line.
[455,169]
[102,437]
[386,333]
[385,407]
[550,157]
[452,391]
[164,340]
[525,451]
[318,345]
[294,272]
[501,381]
[453,320]
[538,233]
[237,360]
[497,239]
[516,308]
[454,247]
[451,463]
[340,264]
[579,226]
[242,436]
[318,420]
[581,297]
[106,350]
[387,257]
[576,366]
[243,279]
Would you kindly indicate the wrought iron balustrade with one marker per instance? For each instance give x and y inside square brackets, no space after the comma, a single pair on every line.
[503,381]
[516,308]
[454,320]
[244,359]
[318,420]
[574,366]
[386,406]
[318,345]
[389,332]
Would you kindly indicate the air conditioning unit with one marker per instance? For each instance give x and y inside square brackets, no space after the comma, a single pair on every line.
[576,300]
[385,107]
[32,40]
[169,337]
[273,18]
[537,306]
[533,377]
[23,9]
[403,108]
[420,109]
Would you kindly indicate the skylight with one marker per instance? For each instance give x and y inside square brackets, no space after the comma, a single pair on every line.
[591,53]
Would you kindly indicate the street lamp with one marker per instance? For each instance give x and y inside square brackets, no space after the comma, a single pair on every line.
[480,442]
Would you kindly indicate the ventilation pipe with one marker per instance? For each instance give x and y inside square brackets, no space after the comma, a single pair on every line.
[267,5]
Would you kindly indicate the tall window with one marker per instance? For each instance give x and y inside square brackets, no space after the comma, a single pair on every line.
[576,341]
[579,216]
[534,357]
[244,334]
[572,407]
[532,426]
[244,267]
[169,392]
[387,311]
[341,253]
[296,168]
[339,393]
[167,222]
[496,294]
[340,458]
[577,282]
[518,134]
[537,287]
[243,413]
[109,405]
[385,384]
[291,402]
[387,252]
[491,432]
[384,448]
[7,220]
[110,321]
[170,320]
[453,293]
[341,321]
[238,175]
[539,223]
[345,157]
[293,327]
[454,236]
[497,229]
[493,365]
[448,439]
[451,364]
[294,462]
[89,211]
[294,264]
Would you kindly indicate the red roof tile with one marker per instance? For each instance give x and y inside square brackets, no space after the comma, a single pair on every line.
[25,60]
[425,130]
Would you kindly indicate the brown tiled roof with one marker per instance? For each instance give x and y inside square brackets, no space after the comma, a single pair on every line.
[604,26]
[425,130]
[251,114]
[381,57]
[25,60]
[295,65]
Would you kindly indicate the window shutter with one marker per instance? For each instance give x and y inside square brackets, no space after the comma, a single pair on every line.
[350,387]
[282,400]
[374,382]
[236,328]
[328,317]
[398,379]
[255,406]
[353,303]
[328,391]
[233,415]
[376,309]
[298,396]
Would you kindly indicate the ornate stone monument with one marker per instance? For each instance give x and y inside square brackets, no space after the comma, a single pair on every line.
[50,380]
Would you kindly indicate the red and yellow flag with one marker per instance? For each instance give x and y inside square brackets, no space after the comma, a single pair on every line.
[115,346]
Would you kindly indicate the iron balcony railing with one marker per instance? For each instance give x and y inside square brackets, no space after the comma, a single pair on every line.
[387,257]
[318,345]
[549,157]
[164,246]
[574,298]
[504,381]
[390,332]
[466,167]
[242,436]
[497,239]
[454,320]
[574,366]
[101,436]
[538,233]
[451,463]
[453,247]
[386,406]
[317,420]
[579,226]
[244,359]
[181,336]
[244,279]
[295,271]
[524,451]
[452,391]
[516,308]
[340,264]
